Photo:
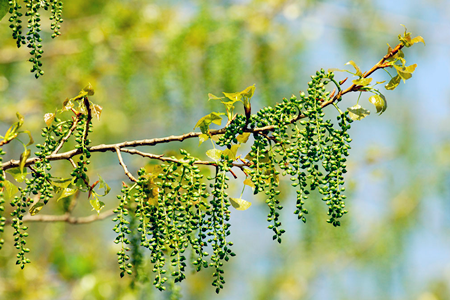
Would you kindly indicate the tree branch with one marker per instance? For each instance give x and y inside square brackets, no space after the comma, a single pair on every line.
[67,217]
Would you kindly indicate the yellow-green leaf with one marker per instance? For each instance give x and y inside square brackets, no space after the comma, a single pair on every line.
[213,97]
[103,185]
[358,70]
[68,191]
[357,112]
[48,119]
[240,204]
[36,208]
[17,174]
[243,138]
[418,39]
[202,138]
[23,159]
[214,154]
[362,81]
[380,103]
[231,153]
[216,137]
[89,89]
[249,91]
[393,83]
[204,122]
[405,72]
[249,182]
[4,8]
[29,135]
[96,110]
[97,205]
[9,190]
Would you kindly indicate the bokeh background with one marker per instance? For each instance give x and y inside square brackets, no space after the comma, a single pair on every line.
[152,64]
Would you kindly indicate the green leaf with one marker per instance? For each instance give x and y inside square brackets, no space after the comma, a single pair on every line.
[358,70]
[362,81]
[36,208]
[240,204]
[17,174]
[61,183]
[249,182]
[96,204]
[29,135]
[405,72]
[23,159]
[9,190]
[380,103]
[393,83]
[12,132]
[68,191]
[213,97]
[207,120]
[4,8]
[406,39]
[214,154]
[103,185]
[357,112]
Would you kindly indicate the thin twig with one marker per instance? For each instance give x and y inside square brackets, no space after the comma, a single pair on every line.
[67,217]
[124,166]
[64,139]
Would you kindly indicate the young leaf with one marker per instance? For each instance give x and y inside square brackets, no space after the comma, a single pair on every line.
[202,138]
[204,122]
[243,138]
[214,154]
[358,70]
[12,132]
[23,159]
[231,153]
[17,174]
[240,204]
[249,182]
[48,119]
[380,103]
[362,81]
[213,97]
[29,135]
[89,89]
[96,204]
[405,72]
[9,190]
[406,39]
[393,83]
[357,112]
[96,110]
[68,191]
[36,208]
[103,185]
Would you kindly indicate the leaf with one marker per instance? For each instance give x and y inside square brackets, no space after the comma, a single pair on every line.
[240,204]
[12,132]
[48,118]
[29,135]
[4,8]
[243,138]
[103,185]
[67,105]
[89,89]
[362,81]
[96,110]
[405,72]
[214,154]
[216,137]
[207,120]
[336,70]
[23,159]
[418,39]
[380,103]
[36,208]
[249,182]
[393,83]
[67,192]
[358,70]
[202,138]
[61,183]
[406,38]
[213,97]
[231,153]
[9,190]
[248,92]
[17,174]
[357,112]
[97,205]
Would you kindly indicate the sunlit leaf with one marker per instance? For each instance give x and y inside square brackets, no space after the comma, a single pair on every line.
[358,70]
[202,138]
[13,130]
[66,192]
[23,159]
[67,105]
[216,137]
[243,138]
[418,39]
[249,91]
[61,182]
[9,190]
[48,118]
[357,112]
[234,97]
[240,204]
[380,103]
[17,174]
[336,70]
[362,81]
[213,97]
[36,208]
[393,83]
[405,72]
[214,154]
[96,110]
[207,120]
[249,182]
[231,153]
[29,135]
[97,205]
[406,39]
